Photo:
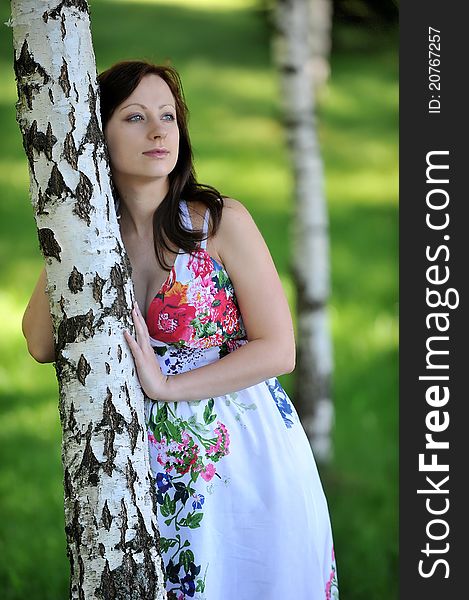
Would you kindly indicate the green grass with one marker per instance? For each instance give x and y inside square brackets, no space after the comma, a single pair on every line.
[222,52]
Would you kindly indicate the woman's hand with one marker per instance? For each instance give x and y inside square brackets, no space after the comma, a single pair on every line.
[151,378]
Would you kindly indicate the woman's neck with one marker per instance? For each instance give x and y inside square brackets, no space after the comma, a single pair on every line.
[138,203]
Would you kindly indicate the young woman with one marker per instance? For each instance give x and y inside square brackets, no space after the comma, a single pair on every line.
[242,513]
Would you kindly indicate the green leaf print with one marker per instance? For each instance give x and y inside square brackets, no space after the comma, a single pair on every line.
[166,544]
[185,558]
[222,279]
[193,520]
[208,412]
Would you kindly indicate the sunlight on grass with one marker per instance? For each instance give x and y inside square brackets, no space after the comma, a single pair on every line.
[211,5]
[363,186]
[40,421]
[14,173]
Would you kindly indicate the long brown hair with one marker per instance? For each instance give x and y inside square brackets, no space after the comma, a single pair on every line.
[116,84]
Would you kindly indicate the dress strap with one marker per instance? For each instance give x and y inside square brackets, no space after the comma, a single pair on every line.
[186,218]
[203,243]
[187,222]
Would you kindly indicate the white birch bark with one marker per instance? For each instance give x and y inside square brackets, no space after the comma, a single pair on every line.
[319,41]
[292,52]
[110,505]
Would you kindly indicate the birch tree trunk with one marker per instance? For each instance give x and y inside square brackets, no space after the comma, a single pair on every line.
[319,41]
[293,53]
[110,505]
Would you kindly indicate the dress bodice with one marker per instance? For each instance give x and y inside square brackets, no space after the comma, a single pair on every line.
[196,306]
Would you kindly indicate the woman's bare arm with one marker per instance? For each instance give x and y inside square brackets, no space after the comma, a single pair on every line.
[37,323]
[265,312]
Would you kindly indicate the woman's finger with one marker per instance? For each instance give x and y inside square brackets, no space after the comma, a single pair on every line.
[139,330]
[133,345]
[143,336]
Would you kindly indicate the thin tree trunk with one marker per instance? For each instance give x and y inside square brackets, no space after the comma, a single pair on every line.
[311,252]
[319,41]
[110,505]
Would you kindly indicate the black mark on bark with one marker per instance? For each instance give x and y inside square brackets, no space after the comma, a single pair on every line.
[63,31]
[133,428]
[75,281]
[56,185]
[75,329]
[129,581]
[25,67]
[83,193]
[72,422]
[68,486]
[119,353]
[119,306]
[111,422]
[89,467]
[70,151]
[106,589]
[101,550]
[108,368]
[64,81]
[71,118]
[81,5]
[97,286]
[48,244]
[124,525]
[131,477]
[74,529]
[94,134]
[39,141]
[106,517]
[41,202]
[83,369]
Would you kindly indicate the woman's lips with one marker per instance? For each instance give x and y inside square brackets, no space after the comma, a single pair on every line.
[157,153]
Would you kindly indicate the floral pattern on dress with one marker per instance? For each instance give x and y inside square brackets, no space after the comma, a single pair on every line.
[185,451]
[332,585]
[202,314]
[281,400]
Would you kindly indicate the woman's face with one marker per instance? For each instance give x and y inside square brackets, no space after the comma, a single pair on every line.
[143,135]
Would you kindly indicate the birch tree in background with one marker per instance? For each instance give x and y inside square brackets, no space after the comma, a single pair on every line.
[110,505]
[295,57]
[319,42]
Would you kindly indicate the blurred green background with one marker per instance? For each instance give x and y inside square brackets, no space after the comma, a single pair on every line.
[222,50]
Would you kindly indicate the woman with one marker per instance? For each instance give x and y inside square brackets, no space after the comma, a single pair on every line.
[242,513]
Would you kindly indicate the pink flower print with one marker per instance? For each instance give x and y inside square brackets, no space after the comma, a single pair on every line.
[219,305]
[221,446]
[167,285]
[233,345]
[177,455]
[169,323]
[151,438]
[208,472]
[200,263]
[208,342]
[200,294]
[230,321]
[328,589]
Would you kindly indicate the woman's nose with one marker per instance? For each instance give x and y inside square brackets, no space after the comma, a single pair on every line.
[157,131]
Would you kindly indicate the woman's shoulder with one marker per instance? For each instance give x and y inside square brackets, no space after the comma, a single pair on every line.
[237,228]
[233,213]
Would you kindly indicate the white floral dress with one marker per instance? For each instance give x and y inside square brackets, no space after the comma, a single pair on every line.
[241,509]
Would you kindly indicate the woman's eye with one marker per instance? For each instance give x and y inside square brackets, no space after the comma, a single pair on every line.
[168,117]
[134,118]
